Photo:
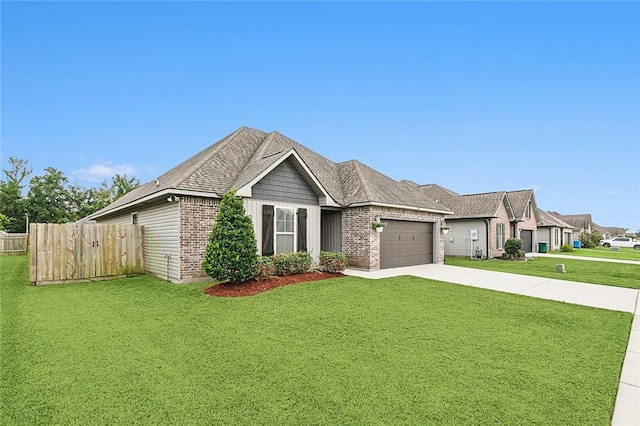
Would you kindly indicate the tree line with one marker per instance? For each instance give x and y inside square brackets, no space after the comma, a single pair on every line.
[51,198]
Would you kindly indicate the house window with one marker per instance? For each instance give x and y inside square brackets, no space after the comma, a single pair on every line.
[134,218]
[527,212]
[285,230]
[556,236]
[499,235]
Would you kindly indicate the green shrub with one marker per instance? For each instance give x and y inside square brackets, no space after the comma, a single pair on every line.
[231,254]
[513,247]
[292,263]
[590,239]
[566,247]
[264,268]
[331,261]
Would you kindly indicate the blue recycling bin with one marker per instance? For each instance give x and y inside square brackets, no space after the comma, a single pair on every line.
[576,244]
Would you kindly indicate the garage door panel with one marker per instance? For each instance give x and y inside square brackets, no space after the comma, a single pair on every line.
[405,243]
[527,240]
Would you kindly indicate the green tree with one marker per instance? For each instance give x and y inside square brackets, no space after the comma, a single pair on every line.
[12,202]
[87,201]
[83,202]
[590,239]
[50,199]
[4,222]
[121,185]
[232,253]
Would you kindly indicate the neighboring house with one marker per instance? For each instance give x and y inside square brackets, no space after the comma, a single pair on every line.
[298,200]
[480,224]
[554,231]
[615,231]
[525,221]
[581,223]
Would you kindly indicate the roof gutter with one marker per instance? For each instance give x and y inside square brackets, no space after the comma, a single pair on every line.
[399,206]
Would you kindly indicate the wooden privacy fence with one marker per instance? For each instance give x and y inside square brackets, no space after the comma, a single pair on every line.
[13,244]
[72,251]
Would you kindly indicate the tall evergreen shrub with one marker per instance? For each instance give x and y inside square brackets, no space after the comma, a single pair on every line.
[232,253]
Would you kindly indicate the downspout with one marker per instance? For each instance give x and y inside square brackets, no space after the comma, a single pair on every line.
[487,224]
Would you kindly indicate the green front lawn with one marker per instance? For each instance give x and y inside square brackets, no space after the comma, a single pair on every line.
[604,252]
[586,271]
[344,351]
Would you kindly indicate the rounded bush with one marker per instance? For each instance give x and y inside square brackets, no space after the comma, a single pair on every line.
[264,268]
[513,247]
[292,263]
[331,261]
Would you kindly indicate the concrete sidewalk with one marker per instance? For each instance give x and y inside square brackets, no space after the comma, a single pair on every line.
[593,259]
[627,408]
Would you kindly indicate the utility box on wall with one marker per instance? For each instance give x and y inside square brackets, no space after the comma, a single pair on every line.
[473,234]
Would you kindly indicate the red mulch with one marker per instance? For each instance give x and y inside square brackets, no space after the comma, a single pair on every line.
[250,288]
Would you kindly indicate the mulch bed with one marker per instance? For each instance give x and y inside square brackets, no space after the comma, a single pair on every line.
[250,288]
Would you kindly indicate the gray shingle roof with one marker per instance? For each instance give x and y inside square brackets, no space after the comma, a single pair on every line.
[239,158]
[467,206]
[477,205]
[547,219]
[519,201]
[580,221]
[212,170]
[362,184]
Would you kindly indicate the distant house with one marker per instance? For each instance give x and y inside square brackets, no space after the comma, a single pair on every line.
[298,200]
[481,223]
[581,223]
[554,231]
[614,231]
[526,218]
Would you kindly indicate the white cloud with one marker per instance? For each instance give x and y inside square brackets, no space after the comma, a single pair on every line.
[100,172]
[609,192]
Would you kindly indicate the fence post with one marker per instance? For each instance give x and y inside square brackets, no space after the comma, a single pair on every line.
[33,252]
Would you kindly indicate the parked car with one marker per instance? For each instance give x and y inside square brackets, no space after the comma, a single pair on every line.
[621,242]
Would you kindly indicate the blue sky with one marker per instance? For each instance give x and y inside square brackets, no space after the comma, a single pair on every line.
[474,96]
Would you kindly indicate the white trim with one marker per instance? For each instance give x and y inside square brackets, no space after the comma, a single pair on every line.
[155,195]
[399,206]
[245,191]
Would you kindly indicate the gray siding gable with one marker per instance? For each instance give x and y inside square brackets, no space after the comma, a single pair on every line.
[286,184]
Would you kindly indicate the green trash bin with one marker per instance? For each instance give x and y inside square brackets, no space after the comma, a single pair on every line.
[543,247]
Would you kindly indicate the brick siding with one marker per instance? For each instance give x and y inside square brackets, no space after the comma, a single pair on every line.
[504,219]
[197,215]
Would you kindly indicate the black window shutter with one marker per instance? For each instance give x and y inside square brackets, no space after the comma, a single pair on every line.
[267,230]
[302,229]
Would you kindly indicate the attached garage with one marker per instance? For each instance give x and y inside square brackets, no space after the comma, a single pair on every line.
[404,243]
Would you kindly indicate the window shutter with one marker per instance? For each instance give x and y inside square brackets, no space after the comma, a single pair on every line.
[302,229]
[267,230]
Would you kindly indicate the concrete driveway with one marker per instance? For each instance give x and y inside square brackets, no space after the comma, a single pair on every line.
[599,296]
[627,408]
